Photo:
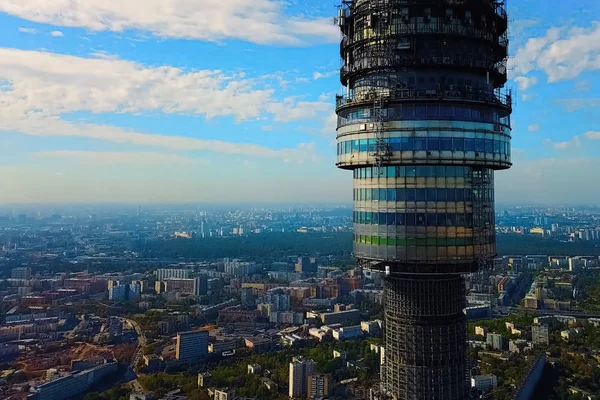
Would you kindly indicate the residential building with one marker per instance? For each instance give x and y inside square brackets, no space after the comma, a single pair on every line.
[224,394]
[21,273]
[319,386]
[73,384]
[191,346]
[340,317]
[300,370]
[165,273]
[254,369]
[222,346]
[483,383]
[481,331]
[540,335]
[204,380]
[347,332]
[496,341]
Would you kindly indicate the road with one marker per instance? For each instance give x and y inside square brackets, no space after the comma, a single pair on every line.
[135,384]
[141,341]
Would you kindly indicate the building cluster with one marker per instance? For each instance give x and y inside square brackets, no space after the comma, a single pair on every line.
[305,382]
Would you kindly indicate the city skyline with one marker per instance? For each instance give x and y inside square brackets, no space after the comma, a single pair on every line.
[104,105]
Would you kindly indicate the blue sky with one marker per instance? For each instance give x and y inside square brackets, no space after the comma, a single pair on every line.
[207,100]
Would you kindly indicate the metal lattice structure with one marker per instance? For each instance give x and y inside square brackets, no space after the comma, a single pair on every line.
[423,125]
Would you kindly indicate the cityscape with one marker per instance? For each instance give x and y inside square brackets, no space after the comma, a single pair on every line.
[366,200]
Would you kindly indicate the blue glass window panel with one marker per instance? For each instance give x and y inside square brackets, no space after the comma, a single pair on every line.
[368,194]
[383,219]
[410,219]
[431,194]
[419,144]
[441,219]
[451,195]
[421,112]
[476,114]
[368,172]
[375,218]
[362,217]
[458,144]
[489,146]
[496,147]
[382,194]
[372,145]
[396,144]
[407,112]
[432,219]
[433,144]
[441,171]
[411,172]
[460,219]
[400,194]
[433,111]
[451,219]
[375,194]
[391,218]
[479,145]
[469,144]
[460,195]
[407,144]
[421,219]
[401,172]
[391,195]
[348,147]
[391,172]
[441,194]
[368,218]
[411,195]
[400,219]
[446,144]
[338,149]
[355,146]
[363,145]
[421,195]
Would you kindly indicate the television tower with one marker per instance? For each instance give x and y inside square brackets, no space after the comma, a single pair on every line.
[423,125]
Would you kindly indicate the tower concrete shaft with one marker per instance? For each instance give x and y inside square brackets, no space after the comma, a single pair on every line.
[425,337]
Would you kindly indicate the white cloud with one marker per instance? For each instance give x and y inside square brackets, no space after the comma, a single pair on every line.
[572,105]
[583,86]
[575,142]
[31,31]
[533,128]
[43,86]
[561,54]
[257,21]
[592,135]
[136,158]
[525,82]
[528,97]
[56,34]
[330,125]
[323,75]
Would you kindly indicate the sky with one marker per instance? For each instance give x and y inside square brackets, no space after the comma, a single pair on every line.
[181,101]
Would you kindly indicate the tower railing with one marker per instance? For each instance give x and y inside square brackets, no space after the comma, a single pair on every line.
[500,97]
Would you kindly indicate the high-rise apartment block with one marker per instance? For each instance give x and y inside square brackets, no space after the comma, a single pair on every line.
[540,335]
[164,273]
[423,125]
[300,370]
[191,346]
[319,386]
[23,273]
[496,341]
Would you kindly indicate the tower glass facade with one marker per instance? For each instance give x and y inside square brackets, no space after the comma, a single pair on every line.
[424,124]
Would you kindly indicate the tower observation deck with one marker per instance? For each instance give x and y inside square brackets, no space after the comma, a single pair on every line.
[423,124]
